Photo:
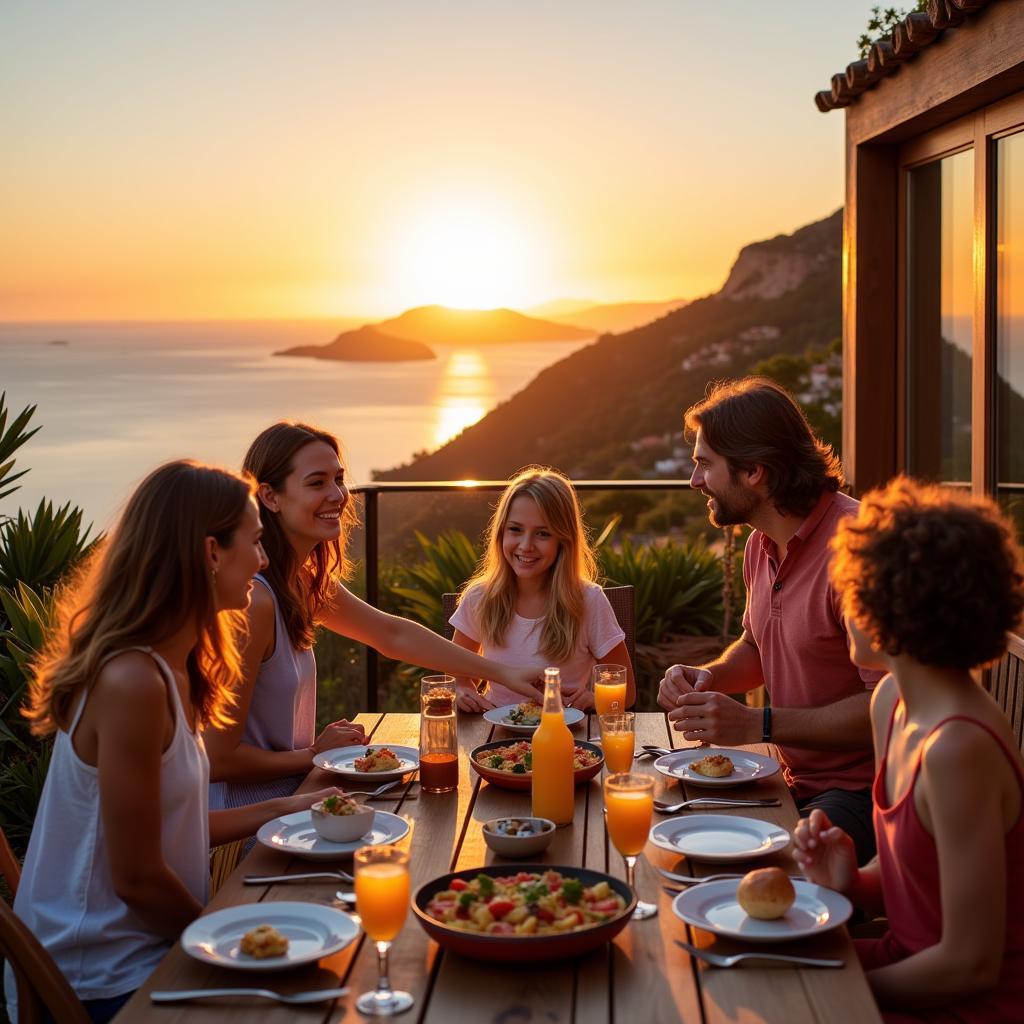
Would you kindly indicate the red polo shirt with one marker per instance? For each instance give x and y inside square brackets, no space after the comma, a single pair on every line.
[794,617]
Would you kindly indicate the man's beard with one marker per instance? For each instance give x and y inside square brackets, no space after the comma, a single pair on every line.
[732,509]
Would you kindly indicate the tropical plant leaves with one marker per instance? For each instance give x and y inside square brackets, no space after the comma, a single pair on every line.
[39,549]
[12,437]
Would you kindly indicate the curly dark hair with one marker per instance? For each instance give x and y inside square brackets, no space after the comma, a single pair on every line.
[931,573]
[755,422]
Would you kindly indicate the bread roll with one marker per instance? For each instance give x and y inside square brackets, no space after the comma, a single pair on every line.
[715,766]
[766,893]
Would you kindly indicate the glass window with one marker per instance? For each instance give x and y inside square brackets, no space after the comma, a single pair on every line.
[940,299]
[1009,390]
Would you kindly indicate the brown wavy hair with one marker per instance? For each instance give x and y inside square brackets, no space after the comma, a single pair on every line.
[302,591]
[755,422]
[573,568]
[930,572]
[146,582]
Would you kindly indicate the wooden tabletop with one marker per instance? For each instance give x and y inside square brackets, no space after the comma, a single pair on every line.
[641,976]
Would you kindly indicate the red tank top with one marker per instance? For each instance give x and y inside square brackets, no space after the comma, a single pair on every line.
[909,867]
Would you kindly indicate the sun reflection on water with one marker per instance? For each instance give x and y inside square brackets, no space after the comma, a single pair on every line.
[465,393]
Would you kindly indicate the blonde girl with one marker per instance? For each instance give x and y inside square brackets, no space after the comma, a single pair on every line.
[307,515]
[143,658]
[534,599]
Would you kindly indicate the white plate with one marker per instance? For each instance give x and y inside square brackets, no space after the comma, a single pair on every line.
[747,766]
[295,834]
[499,716]
[313,930]
[719,838]
[713,907]
[342,761]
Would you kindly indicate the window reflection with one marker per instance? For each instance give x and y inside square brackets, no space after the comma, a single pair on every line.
[1009,392]
[940,295]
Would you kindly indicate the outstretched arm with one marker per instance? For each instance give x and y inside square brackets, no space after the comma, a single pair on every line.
[404,640]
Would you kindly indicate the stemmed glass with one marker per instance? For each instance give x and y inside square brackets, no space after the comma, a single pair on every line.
[609,683]
[629,805]
[618,738]
[382,895]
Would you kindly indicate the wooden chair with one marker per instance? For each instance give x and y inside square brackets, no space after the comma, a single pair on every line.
[1005,681]
[41,987]
[622,600]
[223,860]
[10,869]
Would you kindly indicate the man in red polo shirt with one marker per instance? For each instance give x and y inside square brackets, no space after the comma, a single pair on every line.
[758,462]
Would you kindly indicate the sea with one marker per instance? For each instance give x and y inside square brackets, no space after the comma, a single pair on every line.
[114,400]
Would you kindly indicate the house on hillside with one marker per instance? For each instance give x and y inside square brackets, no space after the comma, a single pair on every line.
[933,258]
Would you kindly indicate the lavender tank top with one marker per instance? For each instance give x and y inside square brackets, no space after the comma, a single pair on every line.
[282,715]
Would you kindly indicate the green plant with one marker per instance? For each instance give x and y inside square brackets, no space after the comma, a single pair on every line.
[39,549]
[448,562]
[11,439]
[882,22]
[29,616]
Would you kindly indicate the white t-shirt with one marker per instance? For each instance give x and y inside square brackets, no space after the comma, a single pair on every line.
[599,634]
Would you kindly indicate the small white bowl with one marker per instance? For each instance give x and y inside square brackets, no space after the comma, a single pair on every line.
[341,828]
[516,847]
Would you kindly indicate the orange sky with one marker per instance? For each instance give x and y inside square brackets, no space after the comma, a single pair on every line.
[258,159]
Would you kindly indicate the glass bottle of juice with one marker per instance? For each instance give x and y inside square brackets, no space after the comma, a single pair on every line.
[552,757]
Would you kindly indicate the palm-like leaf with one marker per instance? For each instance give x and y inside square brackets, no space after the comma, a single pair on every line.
[39,549]
[449,561]
[29,616]
[11,439]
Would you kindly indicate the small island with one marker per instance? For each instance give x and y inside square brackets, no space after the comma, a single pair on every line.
[365,345]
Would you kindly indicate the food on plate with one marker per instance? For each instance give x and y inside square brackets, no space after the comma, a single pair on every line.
[766,893]
[714,766]
[526,903]
[382,760]
[339,806]
[527,713]
[517,759]
[264,940]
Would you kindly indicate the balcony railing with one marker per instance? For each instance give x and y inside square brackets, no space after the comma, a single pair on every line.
[371,494]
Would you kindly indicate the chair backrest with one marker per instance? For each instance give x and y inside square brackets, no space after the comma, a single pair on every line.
[41,987]
[622,600]
[1005,681]
[10,869]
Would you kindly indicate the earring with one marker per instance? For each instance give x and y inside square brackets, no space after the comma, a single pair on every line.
[213,576]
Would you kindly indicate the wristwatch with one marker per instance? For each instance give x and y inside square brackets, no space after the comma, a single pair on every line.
[766,725]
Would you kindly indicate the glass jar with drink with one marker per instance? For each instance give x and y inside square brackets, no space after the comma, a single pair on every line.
[439,742]
[382,895]
[628,806]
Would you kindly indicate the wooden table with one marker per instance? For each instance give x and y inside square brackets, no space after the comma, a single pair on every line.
[641,976]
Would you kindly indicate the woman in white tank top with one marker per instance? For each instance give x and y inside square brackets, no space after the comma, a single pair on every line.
[142,659]
[306,511]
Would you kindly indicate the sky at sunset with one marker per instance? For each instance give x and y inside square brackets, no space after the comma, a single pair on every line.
[334,158]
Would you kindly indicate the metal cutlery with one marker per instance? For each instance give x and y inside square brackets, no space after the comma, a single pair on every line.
[715,801]
[718,960]
[305,876]
[692,880]
[372,793]
[322,995]
[649,751]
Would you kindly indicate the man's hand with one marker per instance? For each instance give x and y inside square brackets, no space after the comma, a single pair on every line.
[679,680]
[711,717]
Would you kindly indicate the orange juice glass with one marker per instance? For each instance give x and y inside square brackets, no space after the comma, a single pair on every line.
[618,739]
[382,896]
[609,689]
[629,805]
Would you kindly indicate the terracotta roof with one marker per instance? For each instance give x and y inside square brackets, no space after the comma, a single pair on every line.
[908,38]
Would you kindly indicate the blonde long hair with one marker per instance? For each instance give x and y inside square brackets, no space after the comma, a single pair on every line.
[573,568]
[147,582]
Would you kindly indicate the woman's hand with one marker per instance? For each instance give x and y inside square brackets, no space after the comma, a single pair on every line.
[340,734]
[826,854]
[527,682]
[303,801]
[469,699]
[583,698]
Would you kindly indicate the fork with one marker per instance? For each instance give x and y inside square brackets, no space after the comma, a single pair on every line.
[718,960]
[691,880]
[715,801]
[306,876]
[372,793]
[322,995]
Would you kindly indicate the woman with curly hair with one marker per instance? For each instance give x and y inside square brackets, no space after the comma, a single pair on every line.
[931,582]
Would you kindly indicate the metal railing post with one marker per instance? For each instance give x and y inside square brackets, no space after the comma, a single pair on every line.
[372,593]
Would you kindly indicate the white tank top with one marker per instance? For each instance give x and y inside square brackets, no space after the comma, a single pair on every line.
[66,895]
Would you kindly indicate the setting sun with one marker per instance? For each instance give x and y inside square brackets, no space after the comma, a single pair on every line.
[470,254]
